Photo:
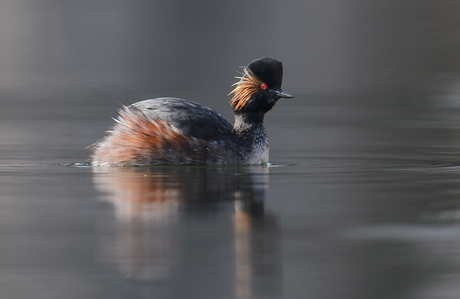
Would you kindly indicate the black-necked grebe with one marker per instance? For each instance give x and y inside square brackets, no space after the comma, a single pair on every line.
[172,131]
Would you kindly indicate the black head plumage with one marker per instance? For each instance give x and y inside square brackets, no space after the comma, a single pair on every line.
[268,70]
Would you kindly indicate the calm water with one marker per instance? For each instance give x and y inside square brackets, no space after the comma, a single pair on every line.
[360,201]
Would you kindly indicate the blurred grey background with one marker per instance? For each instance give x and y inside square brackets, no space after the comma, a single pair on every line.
[195,47]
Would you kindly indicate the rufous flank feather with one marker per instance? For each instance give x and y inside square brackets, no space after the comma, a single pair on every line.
[135,136]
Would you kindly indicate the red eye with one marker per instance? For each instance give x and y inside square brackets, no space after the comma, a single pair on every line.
[263,86]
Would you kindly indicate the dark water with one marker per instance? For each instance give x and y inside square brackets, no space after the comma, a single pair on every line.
[361,199]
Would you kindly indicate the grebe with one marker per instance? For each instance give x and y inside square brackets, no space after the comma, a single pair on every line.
[172,131]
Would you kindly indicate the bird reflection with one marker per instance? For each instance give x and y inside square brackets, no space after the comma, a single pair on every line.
[175,220]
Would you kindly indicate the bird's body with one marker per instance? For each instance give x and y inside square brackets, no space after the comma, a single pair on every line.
[172,131]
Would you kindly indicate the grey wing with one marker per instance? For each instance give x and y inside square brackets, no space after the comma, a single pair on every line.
[188,117]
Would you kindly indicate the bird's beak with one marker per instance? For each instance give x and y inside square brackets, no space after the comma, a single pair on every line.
[281,94]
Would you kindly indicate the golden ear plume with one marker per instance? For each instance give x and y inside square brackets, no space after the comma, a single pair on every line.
[245,88]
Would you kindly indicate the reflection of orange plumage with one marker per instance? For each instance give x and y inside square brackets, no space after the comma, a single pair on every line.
[173,131]
[156,211]
[139,194]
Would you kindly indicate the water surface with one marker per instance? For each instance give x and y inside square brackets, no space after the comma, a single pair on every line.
[360,200]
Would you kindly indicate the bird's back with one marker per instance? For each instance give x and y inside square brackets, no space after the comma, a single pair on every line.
[167,131]
[190,118]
